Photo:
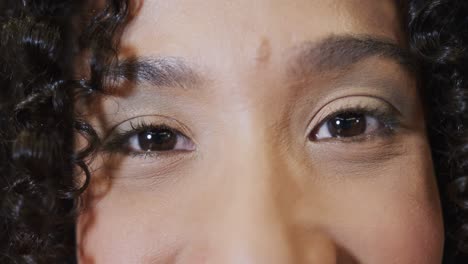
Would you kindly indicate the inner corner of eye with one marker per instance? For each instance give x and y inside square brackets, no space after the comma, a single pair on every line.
[312,136]
[319,132]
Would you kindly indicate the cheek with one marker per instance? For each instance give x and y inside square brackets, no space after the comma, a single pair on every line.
[395,232]
[391,215]
[123,229]
[396,218]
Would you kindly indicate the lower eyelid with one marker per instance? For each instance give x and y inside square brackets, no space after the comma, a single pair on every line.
[388,124]
[117,138]
[369,105]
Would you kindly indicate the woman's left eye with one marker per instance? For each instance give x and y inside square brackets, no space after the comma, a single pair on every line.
[158,140]
[347,125]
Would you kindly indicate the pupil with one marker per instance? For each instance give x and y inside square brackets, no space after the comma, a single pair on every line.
[347,125]
[157,140]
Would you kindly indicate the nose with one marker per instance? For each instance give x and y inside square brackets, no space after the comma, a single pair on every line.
[268,240]
[256,222]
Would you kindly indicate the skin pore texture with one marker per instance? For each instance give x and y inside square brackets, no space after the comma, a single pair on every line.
[255,177]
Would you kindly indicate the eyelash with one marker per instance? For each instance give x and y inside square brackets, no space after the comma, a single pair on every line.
[389,118]
[119,141]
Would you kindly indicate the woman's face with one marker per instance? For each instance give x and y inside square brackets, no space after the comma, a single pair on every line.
[266,131]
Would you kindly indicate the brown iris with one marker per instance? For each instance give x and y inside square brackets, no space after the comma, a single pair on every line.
[347,125]
[157,140]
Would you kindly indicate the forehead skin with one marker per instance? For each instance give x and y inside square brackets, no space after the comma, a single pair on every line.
[242,28]
[253,191]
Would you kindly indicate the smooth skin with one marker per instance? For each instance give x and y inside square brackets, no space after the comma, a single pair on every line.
[255,176]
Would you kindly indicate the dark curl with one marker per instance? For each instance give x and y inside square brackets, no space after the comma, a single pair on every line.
[438,35]
[40,42]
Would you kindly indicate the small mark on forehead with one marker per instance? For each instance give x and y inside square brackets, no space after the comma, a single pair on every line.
[264,51]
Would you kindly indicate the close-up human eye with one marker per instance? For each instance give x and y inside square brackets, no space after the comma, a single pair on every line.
[353,125]
[234,131]
[148,139]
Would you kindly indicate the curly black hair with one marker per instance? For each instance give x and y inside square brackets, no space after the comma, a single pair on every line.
[40,42]
[44,43]
[438,36]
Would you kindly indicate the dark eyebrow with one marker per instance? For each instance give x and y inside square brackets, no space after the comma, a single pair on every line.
[157,71]
[341,52]
[333,53]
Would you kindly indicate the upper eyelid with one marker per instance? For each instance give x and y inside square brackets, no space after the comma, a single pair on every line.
[163,120]
[117,141]
[185,131]
[359,109]
[116,137]
[149,116]
[396,124]
[316,113]
[394,118]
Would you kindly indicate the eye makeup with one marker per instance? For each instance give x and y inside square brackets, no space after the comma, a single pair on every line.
[358,109]
[148,138]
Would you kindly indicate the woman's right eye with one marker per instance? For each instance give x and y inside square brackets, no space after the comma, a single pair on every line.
[158,140]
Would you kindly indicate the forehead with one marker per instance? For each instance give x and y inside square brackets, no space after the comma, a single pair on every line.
[252,28]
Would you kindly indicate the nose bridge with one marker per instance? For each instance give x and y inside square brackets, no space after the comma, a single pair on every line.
[256,224]
[257,219]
